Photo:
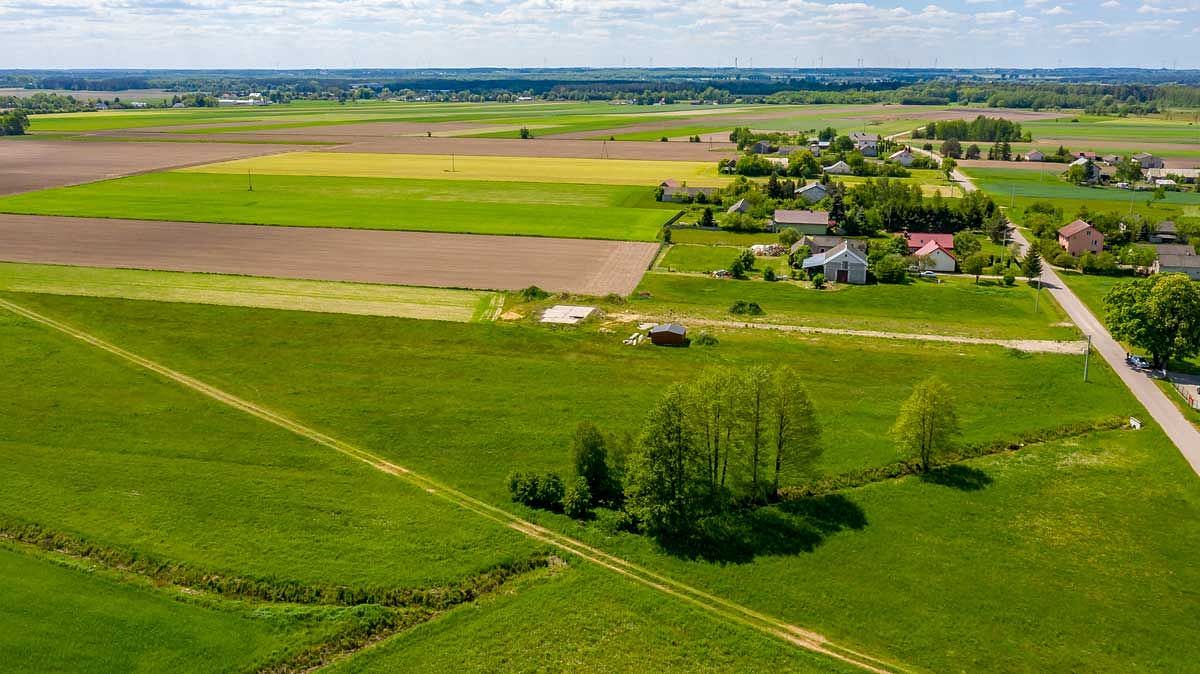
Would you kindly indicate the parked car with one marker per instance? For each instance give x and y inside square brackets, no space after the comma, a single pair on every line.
[1138,362]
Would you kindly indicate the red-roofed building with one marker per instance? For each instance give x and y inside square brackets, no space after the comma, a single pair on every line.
[917,240]
[932,257]
[1079,237]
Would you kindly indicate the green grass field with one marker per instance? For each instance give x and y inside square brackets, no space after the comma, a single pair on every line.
[441,304]
[956,306]
[533,209]
[693,258]
[1149,129]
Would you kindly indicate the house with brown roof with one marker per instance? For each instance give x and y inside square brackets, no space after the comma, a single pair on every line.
[1079,237]
[804,222]
[918,240]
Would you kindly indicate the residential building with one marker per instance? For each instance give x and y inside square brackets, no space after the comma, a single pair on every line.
[673,190]
[902,157]
[823,243]
[1079,237]
[1091,170]
[804,222]
[1035,155]
[1182,261]
[918,240]
[761,147]
[812,193]
[1147,160]
[841,168]
[866,143]
[1165,232]
[932,257]
[842,264]
[1187,175]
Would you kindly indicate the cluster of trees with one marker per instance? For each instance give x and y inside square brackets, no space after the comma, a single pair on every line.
[596,482]
[990,129]
[44,102]
[893,206]
[1160,314]
[13,123]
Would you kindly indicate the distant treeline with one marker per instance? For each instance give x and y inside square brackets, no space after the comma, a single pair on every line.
[990,129]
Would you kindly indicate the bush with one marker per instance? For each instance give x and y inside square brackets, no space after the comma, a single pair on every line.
[705,339]
[577,499]
[1065,260]
[769,274]
[615,521]
[742,307]
[536,491]
[891,268]
[818,281]
[1009,280]
[533,293]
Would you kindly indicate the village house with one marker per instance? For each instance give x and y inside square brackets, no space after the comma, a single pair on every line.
[804,222]
[823,243]
[1177,259]
[918,240]
[902,157]
[812,193]
[1079,237]
[673,190]
[841,264]
[933,257]
[866,143]
[1147,160]
[761,147]
[1186,175]
[1092,172]
[1165,232]
[816,147]
[1035,155]
[841,168]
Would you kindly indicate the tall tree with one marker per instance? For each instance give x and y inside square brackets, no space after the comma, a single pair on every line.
[590,454]
[927,424]
[1031,266]
[666,468]
[1160,314]
[757,385]
[795,432]
[714,403]
[974,264]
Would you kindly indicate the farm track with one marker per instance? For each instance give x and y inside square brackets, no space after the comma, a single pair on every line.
[717,606]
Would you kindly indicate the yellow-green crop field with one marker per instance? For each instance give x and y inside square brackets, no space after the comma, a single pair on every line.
[364,299]
[443,167]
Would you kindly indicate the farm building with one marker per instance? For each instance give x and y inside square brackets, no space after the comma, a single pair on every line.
[812,193]
[1187,175]
[816,147]
[1166,232]
[1035,155]
[918,240]
[673,190]
[932,257]
[866,143]
[1147,160]
[761,147]
[668,334]
[1091,170]
[1182,262]
[818,243]
[804,222]
[902,157]
[1079,237]
[842,264]
[841,168]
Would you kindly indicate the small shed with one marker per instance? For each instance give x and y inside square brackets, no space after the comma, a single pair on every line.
[668,334]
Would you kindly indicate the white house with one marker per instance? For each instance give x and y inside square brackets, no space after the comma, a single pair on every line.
[842,264]
[1035,155]
[902,157]
[932,257]
[841,168]
[812,192]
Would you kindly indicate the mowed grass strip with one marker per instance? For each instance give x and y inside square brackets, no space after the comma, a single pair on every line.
[469,207]
[102,450]
[365,299]
[57,619]
[956,306]
[582,618]
[466,167]
[528,386]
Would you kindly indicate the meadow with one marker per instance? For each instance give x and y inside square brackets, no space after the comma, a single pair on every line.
[702,259]
[956,306]
[441,304]
[1090,127]
[1054,529]
[530,209]
[474,168]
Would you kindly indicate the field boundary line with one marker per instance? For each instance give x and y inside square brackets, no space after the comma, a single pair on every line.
[717,606]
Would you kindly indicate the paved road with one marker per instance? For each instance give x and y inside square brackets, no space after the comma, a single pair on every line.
[1162,409]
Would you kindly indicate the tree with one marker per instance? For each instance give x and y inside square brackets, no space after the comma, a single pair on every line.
[948,166]
[1077,174]
[1031,266]
[973,151]
[951,148]
[795,433]
[966,243]
[974,264]
[526,134]
[577,499]
[927,424]
[890,268]
[666,468]
[996,227]
[788,236]
[1160,314]
[589,453]
[706,218]
[1129,171]
[716,407]
[757,385]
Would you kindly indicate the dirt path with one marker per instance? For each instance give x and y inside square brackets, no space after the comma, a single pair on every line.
[717,606]
[1027,345]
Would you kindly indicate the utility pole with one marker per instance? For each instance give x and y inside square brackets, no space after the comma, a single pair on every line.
[249,182]
[1037,295]
[1086,355]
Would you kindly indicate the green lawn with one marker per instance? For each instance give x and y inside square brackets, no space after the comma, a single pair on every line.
[582,619]
[721,237]
[702,259]
[534,209]
[55,618]
[956,306]
[124,459]
[361,388]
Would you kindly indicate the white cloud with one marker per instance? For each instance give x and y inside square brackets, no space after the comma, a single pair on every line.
[1035,3]
[1148,8]
[996,17]
[1110,4]
[1057,10]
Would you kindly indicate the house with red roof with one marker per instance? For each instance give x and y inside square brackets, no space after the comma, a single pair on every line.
[917,241]
[932,257]
[1079,237]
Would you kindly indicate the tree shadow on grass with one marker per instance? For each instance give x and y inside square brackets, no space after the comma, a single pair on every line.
[787,528]
[957,476]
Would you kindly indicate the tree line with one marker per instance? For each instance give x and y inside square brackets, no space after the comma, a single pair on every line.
[989,129]
[13,123]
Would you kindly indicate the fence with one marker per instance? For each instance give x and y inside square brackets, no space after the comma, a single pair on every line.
[1190,393]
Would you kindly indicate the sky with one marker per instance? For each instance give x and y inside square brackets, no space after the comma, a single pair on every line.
[537,33]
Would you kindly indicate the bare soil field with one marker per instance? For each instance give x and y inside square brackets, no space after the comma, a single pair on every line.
[586,267]
[27,164]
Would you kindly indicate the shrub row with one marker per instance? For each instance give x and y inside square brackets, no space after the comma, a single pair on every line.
[267,589]
[370,625]
[891,471]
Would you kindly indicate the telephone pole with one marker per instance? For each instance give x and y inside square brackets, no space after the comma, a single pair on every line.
[1086,355]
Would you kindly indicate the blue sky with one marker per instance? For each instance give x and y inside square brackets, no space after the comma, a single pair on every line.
[530,33]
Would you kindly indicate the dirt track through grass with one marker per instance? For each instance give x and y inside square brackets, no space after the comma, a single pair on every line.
[717,606]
